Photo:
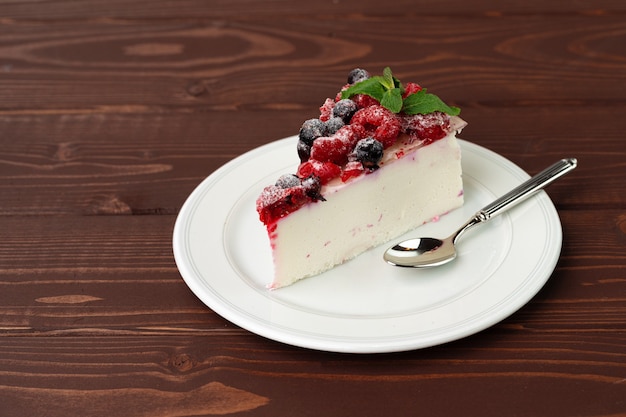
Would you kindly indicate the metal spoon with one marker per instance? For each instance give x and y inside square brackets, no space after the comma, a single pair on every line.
[428,251]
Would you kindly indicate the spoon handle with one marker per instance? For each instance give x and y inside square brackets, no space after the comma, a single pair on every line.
[528,188]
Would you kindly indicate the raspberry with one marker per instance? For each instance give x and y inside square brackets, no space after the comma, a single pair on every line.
[358,131]
[349,134]
[426,127]
[276,202]
[338,96]
[325,171]
[330,149]
[352,169]
[379,123]
[410,88]
[335,148]
[326,110]
[363,100]
[288,195]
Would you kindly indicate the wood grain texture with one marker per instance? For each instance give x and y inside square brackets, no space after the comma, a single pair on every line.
[251,9]
[112,112]
[116,164]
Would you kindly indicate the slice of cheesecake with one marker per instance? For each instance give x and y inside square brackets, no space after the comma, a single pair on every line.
[370,171]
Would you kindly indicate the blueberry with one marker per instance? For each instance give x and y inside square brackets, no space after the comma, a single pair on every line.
[357,75]
[304,151]
[333,125]
[312,187]
[311,130]
[369,152]
[345,109]
[288,181]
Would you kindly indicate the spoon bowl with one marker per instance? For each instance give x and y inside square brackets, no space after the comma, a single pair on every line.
[431,251]
[428,252]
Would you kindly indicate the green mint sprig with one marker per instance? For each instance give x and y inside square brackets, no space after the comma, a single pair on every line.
[423,102]
[388,90]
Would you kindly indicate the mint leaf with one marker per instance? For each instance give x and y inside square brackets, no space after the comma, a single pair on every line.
[387,89]
[392,100]
[387,79]
[424,103]
[377,87]
[371,87]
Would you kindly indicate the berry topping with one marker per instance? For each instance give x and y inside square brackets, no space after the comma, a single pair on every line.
[426,127]
[276,202]
[325,171]
[288,181]
[352,169]
[339,94]
[357,75]
[335,148]
[304,151]
[312,186]
[368,152]
[333,125]
[330,149]
[411,88]
[350,136]
[311,130]
[326,110]
[379,123]
[345,109]
[363,100]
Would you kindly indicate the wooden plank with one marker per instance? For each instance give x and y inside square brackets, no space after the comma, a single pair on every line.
[246,9]
[242,9]
[137,376]
[107,274]
[150,163]
[156,66]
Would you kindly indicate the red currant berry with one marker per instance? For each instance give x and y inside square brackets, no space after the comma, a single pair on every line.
[411,88]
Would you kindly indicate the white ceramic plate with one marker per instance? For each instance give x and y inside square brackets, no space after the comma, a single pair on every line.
[365,305]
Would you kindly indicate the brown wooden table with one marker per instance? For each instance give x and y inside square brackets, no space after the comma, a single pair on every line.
[113,111]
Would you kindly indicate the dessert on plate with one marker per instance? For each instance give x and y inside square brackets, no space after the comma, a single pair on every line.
[380,159]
